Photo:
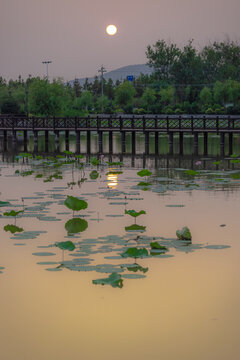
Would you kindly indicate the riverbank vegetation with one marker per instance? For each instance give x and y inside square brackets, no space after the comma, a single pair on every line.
[184,80]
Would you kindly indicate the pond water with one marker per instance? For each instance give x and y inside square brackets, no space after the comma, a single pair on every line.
[177,302]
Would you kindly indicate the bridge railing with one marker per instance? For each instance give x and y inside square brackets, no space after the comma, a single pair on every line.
[124,122]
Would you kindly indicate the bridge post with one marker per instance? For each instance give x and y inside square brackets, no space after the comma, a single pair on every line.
[195,143]
[25,140]
[78,141]
[230,143]
[222,143]
[181,143]
[205,141]
[5,140]
[100,141]
[156,143]
[133,142]
[14,139]
[56,132]
[67,140]
[171,143]
[35,136]
[146,142]
[123,142]
[110,142]
[88,142]
[46,138]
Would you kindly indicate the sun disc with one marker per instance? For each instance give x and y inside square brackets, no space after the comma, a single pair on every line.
[111,30]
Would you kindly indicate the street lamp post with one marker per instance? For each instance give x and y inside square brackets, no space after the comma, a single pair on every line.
[102,71]
[47,62]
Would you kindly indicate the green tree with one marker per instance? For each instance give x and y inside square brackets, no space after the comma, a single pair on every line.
[206,96]
[161,56]
[124,96]
[148,99]
[85,102]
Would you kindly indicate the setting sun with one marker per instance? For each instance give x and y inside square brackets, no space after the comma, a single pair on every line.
[111,29]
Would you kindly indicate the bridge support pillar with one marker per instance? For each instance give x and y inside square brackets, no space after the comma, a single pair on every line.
[181,143]
[133,142]
[100,142]
[67,140]
[230,143]
[110,142]
[78,142]
[5,140]
[56,132]
[46,138]
[25,147]
[123,142]
[156,143]
[88,142]
[205,143]
[14,139]
[147,143]
[195,135]
[222,143]
[35,137]
[170,143]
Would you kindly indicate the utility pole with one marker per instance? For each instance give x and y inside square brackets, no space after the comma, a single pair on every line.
[102,71]
[47,62]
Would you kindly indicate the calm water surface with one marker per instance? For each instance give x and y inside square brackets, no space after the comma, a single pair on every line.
[183,304]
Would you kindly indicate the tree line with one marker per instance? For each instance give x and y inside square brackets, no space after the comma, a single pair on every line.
[184,80]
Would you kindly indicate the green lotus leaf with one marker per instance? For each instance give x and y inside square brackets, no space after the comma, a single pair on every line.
[27,173]
[135,253]
[25,155]
[237,161]
[114,280]
[12,213]
[75,204]
[94,161]
[13,229]
[235,176]
[136,267]
[135,227]
[114,163]
[79,156]
[76,225]
[144,172]
[156,246]
[94,175]
[66,245]
[134,213]
[4,203]
[191,172]
[66,152]
[184,234]
[143,183]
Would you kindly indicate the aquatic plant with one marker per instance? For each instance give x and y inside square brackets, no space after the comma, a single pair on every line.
[66,245]
[114,280]
[135,253]
[94,175]
[76,225]
[135,227]
[156,246]
[94,161]
[144,173]
[75,204]
[184,234]
[12,228]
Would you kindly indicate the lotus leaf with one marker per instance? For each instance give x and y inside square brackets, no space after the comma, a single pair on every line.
[134,213]
[191,172]
[184,234]
[4,203]
[144,172]
[94,175]
[75,204]
[114,163]
[143,183]
[66,152]
[12,213]
[136,267]
[94,161]
[66,245]
[13,229]
[135,252]
[156,246]
[114,280]
[135,227]
[76,225]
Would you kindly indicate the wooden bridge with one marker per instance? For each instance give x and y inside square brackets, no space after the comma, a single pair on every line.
[170,124]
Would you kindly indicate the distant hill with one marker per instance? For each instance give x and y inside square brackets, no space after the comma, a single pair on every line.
[121,73]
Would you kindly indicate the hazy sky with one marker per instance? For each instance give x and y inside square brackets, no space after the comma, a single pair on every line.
[71,33]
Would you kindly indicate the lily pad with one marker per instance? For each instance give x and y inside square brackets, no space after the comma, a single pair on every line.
[4,203]
[13,213]
[156,246]
[94,175]
[115,280]
[135,227]
[134,213]
[144,172]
